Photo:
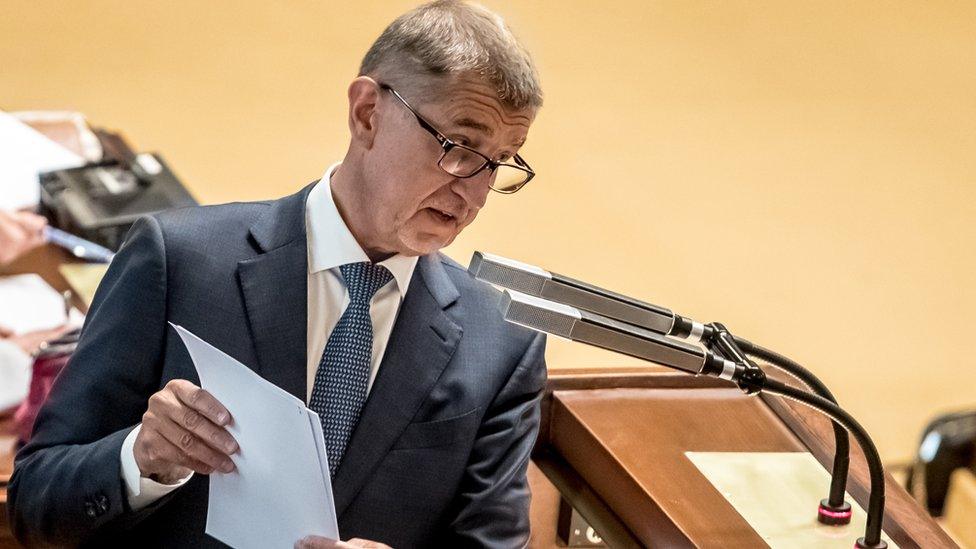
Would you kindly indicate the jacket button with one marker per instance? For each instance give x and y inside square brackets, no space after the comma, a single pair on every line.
[102,504]
[90,509]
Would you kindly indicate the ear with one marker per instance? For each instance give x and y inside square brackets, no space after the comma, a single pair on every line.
[364,94]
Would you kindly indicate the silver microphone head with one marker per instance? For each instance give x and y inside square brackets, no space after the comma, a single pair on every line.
[571,323]
[539,314]
[535,281]
[508,273]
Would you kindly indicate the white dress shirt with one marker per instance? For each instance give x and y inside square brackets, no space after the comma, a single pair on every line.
[330,244]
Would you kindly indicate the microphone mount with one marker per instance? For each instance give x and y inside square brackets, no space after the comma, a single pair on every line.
[751,379]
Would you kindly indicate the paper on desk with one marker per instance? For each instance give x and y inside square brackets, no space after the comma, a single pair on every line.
[28,304]
[25,153]
[84,279]
[776,493]
[281,490]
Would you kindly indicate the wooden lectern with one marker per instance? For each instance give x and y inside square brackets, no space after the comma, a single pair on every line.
[613,442]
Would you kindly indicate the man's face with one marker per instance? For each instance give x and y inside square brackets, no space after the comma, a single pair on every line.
[416,207]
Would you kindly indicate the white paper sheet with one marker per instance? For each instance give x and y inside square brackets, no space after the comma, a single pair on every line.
[24,153]
[28,304]
[281,490]
[15,376]
[777,494]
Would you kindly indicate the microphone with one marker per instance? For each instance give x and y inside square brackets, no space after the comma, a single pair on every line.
[615,309]
[597,330]
[585,327]
[537,282]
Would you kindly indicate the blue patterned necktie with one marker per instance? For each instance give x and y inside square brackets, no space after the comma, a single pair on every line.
[340,385]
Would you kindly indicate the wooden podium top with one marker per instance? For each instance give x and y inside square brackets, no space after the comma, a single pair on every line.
[615,445]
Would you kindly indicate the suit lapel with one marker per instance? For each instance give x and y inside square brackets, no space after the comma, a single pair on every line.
[274,286]
[422,343]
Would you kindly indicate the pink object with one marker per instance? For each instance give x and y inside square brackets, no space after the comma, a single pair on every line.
[44,371]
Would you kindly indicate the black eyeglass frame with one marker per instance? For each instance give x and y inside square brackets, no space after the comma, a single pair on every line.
[447,144]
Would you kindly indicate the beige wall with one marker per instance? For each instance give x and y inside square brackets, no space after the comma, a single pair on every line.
[803,172]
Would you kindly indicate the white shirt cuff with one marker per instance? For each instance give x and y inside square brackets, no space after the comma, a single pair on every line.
[141,491]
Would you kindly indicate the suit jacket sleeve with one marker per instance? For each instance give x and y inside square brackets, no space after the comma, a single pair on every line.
[493,502]
[66,485]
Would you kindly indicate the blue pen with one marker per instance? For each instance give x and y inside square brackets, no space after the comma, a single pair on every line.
[79,247]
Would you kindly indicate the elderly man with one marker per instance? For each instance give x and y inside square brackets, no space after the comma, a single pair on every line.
[337,294]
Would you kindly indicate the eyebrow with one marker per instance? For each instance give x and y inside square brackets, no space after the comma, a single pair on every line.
[475,125]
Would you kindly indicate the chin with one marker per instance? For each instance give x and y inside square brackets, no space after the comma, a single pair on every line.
[424,244]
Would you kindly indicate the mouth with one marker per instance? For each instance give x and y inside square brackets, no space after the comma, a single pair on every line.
[443,216]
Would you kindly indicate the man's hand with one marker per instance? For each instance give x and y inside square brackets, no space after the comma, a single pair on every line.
[19,233]
[182,431]
[31,341]
[316,542]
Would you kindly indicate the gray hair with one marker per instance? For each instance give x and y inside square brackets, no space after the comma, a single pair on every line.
[451,38]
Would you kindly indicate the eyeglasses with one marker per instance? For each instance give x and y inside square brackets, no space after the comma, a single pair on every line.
[464,162]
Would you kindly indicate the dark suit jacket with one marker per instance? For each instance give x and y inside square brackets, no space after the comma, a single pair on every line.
[440,453]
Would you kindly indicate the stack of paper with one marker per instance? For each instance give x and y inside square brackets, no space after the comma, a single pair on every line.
[28,304]
[25,153]
[282,459]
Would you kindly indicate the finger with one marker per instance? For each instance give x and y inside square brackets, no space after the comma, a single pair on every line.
[31,222]
[17,231]
[193,446]
[359,542]
[318,542]
[164,456]
[52,333]
[33,227]
[6,332]
[30,343]
[11,239]
[201,401]
[177,419]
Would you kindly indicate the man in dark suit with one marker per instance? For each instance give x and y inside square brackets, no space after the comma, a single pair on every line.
[337,294]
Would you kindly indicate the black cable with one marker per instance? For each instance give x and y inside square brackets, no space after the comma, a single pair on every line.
[842,460]
[872,534]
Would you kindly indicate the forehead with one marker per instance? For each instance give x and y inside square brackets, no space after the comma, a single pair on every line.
[474,105]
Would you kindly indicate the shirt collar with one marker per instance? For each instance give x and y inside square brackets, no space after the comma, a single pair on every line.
[331,244]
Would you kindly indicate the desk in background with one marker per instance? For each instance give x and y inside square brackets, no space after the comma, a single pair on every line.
[44,261]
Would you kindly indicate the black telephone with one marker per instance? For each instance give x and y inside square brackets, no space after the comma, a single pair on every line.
[948,443]
[100,201]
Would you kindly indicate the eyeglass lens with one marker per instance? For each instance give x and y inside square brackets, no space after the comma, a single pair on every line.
[462,162]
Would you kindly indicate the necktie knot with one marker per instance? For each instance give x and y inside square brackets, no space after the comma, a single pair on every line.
[363,279]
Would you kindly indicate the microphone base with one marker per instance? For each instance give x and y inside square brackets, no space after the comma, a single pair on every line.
[861,545]
[834,516]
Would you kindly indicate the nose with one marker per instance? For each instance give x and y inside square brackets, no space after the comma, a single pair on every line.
[474,190]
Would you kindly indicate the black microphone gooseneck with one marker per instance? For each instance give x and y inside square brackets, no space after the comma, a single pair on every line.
[833,510]
[876,500]
[758,382]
